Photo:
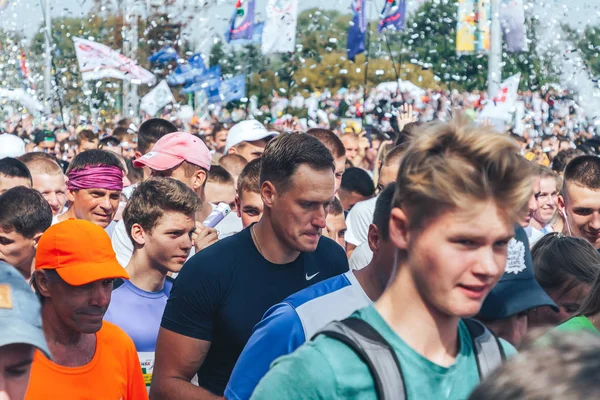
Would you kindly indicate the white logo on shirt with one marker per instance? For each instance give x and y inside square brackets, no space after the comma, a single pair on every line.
[309,277]
[515,262]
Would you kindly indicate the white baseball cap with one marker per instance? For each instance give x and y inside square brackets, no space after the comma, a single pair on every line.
[246,131]
[11,146]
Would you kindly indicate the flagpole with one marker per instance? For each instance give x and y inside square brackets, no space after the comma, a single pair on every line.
[367,50]
[495,52]
[48,59]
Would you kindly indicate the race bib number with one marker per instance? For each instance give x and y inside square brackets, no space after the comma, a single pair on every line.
[147,364]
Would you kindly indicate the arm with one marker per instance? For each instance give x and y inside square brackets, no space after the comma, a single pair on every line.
[136,387]
[178,359]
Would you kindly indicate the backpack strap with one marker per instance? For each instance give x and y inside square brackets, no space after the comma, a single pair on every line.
[374,351]
[489,353]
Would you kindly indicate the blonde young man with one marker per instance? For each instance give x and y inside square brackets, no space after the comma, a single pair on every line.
[48,179]
[460,191]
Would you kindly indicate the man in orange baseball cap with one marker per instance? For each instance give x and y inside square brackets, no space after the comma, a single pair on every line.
[74,273]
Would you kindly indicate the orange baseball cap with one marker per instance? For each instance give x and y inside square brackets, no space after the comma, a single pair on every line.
[80,252]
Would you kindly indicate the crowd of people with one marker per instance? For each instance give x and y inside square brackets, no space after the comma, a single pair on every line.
[248,261]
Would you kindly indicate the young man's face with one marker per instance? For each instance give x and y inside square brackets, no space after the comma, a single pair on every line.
[336,228]
[349,199]
[455,259]
[53,188]
[547,201]
[220,140]
[95,205]
[351,146]
[220,193]
[249,207]
[17,250]
[340,167]
[298,214]
[582,207]
[168,244]
[9,182]
[15,368]
[250,150]
[532,205]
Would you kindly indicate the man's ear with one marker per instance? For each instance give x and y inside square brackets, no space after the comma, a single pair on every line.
[36,239]
[399,232]
[138,234]
[71,195]
[199,179]
[561,202]
[268,193]
[137,154]
[42,282]
[373,238]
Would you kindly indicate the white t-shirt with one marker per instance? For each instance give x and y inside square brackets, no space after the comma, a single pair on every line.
[110,229]
[358,221]
[230,225]
[361,256]
[533,234]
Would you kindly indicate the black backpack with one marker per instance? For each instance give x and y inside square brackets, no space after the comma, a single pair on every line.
[385,367]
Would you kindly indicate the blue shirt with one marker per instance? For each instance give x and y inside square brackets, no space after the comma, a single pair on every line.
[138,312]
[287,325]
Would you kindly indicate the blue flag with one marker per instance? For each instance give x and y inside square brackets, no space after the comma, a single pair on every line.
[165,54]
[211,79]
[393,15]
[186,73]
[233,89]
[242,21]
[358,29]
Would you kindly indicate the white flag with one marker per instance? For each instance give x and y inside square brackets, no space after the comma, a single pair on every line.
[157,98]
[503,104]
[97,61]
[279,33]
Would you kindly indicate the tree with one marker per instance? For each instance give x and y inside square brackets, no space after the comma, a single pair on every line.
[587,42]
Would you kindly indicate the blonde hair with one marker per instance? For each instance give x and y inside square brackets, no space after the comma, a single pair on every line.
[44,166]
[452,165]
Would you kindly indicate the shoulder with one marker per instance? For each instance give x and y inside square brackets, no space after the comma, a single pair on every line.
[363,209]
[114,337]
[307,373]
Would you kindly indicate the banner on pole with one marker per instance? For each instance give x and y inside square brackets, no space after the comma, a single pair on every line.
[358,29]
[230,90]
[393,15]
[512,19]
[466,28]
[242,22]
[503,104]
[165,54]
[279,34]
[186,73]
[209,80]
[97,61]
[484,26]
[157,98]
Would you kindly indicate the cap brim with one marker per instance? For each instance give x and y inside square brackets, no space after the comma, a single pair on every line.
[15,330]
[512,297]
[252,138]
[158,161]
[82,274]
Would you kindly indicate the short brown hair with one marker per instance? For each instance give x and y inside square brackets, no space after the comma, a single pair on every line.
[249,179]
[563,365]
[450,165]
[335,208]
[86,135]
[329,140]
[189,170]
[155,196]
[584,171]
[218,174]
[41,163]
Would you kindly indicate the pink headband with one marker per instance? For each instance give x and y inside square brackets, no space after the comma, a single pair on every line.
[96,177]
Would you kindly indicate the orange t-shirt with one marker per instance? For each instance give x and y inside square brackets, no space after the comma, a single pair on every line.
[113,374]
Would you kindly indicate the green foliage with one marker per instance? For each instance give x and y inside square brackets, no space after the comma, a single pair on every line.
[588,44]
